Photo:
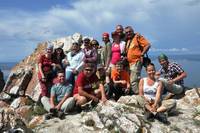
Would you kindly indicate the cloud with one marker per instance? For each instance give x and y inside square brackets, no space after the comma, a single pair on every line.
[170,50]
[162,22]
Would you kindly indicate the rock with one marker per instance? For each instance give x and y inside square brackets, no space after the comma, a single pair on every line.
[9,121]
[3,104]
[25,112]
[21,101]
[36,121]
[2,82]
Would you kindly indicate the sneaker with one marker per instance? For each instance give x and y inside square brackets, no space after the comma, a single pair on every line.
[162,118]
[148,116]
[54,111]
[48,116]
[61,115]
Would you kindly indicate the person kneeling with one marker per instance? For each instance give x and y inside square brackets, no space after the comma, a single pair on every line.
[60,101]
[121,82]
[87,87]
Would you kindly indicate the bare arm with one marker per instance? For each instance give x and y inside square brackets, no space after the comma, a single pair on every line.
[180,77]
[103,95]
[87,95]
[158,93]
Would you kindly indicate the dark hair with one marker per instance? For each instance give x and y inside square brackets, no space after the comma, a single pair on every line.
[60,71]
[91,65]
[94,42]
[86,40]
[120,62]
[150,64]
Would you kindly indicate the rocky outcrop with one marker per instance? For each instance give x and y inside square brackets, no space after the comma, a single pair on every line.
[125,116]
[20,96]
[2,82]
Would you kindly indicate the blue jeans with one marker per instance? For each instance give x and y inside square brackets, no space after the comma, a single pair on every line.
[69,76]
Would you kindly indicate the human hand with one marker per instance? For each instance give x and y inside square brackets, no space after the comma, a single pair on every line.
[123,81]
[103,99]
[171,82]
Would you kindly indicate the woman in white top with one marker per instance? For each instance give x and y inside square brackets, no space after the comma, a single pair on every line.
[151,90]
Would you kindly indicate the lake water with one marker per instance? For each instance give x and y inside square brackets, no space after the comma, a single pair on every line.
[190,63]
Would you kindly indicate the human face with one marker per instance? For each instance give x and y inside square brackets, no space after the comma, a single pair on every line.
[119,68]
[129,33]
[105,38]
[75,47]
[88,71]
[61,77]
[151,71]
[163,63]
[119,29]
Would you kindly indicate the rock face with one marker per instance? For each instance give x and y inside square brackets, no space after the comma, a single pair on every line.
[2,82]
[19,106]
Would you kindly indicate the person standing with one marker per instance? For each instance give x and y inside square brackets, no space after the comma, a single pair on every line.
[106,56]
[136,47]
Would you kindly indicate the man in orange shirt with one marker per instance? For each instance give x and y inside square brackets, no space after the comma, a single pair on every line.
[136,47]
[121,81]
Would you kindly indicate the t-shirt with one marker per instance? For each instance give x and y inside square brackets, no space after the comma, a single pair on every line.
[61,90]
[88,84]
[123,75]
[46,63]
[134,51]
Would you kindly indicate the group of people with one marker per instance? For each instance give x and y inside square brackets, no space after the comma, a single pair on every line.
[99,73]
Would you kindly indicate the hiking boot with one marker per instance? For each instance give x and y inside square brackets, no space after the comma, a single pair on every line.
[61,115]
[148,116]
[162,118]
[53,111]
[77,109]
[48,116]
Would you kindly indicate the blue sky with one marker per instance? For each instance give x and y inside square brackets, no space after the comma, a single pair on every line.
[171,26]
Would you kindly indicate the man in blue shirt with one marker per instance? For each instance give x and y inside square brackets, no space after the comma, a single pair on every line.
[60,98]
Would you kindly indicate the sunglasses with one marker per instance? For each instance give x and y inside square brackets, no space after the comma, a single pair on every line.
[88,70]
[128,32]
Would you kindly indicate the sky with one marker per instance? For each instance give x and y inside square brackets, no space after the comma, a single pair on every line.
[171,26]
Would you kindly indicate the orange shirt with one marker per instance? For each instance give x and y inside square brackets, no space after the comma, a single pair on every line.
[134,51]
[124,75]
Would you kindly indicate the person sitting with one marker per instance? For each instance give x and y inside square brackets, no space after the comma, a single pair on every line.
[45,73]
[87,87]
[60,100]
[172,75]
[150,92]
[121,82]
[73,62]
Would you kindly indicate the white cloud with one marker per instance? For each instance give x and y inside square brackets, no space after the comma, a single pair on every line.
[154,19]
[170,50]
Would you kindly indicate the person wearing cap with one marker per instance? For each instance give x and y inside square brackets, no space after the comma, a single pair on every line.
[106,53]
[45,71]
[172,75]
[89,51]
[58,56]
[136,47]
[73,62]
[87,86]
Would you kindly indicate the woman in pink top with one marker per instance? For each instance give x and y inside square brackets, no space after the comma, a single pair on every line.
[117,49]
